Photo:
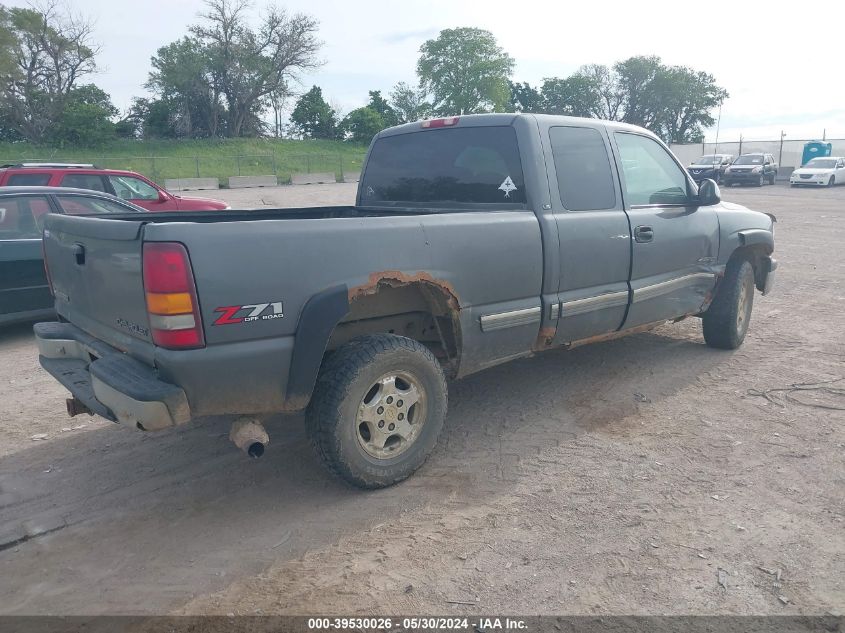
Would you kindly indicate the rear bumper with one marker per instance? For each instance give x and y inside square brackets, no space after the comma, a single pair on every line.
[108,382]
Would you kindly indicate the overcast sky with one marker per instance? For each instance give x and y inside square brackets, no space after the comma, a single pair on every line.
[783,68]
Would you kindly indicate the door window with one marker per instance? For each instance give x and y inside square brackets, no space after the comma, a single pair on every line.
[84,181]
[82,205]
[21,217]
[583,168]
[652,177]
[130,188]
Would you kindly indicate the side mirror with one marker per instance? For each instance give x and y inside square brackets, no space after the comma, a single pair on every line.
[162,196]
[708,193]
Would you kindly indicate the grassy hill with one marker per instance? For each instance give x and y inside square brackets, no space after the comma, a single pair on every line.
[220,158]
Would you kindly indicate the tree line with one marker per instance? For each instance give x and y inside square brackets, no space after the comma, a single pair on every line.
[225,78]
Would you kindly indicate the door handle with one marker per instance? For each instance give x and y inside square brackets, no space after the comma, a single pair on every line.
[79,254]
[643,234]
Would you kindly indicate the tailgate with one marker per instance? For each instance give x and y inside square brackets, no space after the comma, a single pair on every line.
[95,269]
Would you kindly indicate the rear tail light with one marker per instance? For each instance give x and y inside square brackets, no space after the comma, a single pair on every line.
[172,296]
[450,120]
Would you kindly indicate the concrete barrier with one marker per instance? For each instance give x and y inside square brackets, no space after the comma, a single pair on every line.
[241,182]
[351,176]
[312,179]
[187,184]
[784,173]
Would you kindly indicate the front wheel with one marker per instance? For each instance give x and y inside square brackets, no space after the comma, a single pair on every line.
[761,181]
[831,181]
[377,409]
[726,320]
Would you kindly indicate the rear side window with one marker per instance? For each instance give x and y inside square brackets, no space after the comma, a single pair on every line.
[22,217]
[81,205]
[443,166]
[583,169]
[28,180]
[84,181]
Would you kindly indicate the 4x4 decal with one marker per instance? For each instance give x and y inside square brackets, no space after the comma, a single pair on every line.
[256,312]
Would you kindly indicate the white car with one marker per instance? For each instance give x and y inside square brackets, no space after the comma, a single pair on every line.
[825,172]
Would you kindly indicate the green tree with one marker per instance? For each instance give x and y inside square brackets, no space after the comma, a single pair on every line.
[688,98]
[43,55]
[465,71]
[185,79]
[362,124]
[640,80]
[409,104]
[313,117]
[226,73]
[525,98]
[380,105]
[577,95]
[85,120]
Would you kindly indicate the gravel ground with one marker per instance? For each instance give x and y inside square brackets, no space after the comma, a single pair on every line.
[647,475]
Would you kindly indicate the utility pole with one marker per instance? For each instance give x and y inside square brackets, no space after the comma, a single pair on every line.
[740,145]
[780,153]
[718,123]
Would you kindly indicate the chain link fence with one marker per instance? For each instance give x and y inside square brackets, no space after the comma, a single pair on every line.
[160,168]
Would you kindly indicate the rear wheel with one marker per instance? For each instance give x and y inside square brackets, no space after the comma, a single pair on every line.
[726,320]
[377,409]
[772,179]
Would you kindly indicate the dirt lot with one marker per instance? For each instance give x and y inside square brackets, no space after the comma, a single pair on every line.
[645,475]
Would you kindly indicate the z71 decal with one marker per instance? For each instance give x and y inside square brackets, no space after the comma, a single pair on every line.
[248,313]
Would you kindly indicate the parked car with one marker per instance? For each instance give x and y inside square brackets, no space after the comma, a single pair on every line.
[24,292]
[474,240]
[710,166]
[751,169]
[824,172]
[124,184]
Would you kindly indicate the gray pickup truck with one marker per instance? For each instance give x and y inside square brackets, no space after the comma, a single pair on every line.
[474,240]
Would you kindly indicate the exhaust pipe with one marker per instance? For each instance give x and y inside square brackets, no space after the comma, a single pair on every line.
[249,435]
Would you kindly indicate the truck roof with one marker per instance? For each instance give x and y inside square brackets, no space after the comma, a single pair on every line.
[507,118]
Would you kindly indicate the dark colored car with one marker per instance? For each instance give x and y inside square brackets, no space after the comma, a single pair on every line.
[126,185]
[24,291]
[751,169]
[710,166]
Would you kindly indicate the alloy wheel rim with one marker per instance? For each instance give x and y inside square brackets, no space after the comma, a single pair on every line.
[391,415]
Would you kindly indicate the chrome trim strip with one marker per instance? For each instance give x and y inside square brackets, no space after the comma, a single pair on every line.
[554,311]
[512,318]
[655,290]
[608,300]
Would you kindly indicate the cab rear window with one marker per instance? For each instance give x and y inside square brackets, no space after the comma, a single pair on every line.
[445,166]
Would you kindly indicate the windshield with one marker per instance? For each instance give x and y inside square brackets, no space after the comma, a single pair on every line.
[709,160]
[749,159]
[822,163]
[441,167]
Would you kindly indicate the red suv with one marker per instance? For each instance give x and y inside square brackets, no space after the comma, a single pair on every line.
[123,184]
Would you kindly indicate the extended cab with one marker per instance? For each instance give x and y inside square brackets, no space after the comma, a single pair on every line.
[474,240]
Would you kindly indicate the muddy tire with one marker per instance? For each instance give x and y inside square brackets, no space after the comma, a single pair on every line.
[726,320]
[377,409]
